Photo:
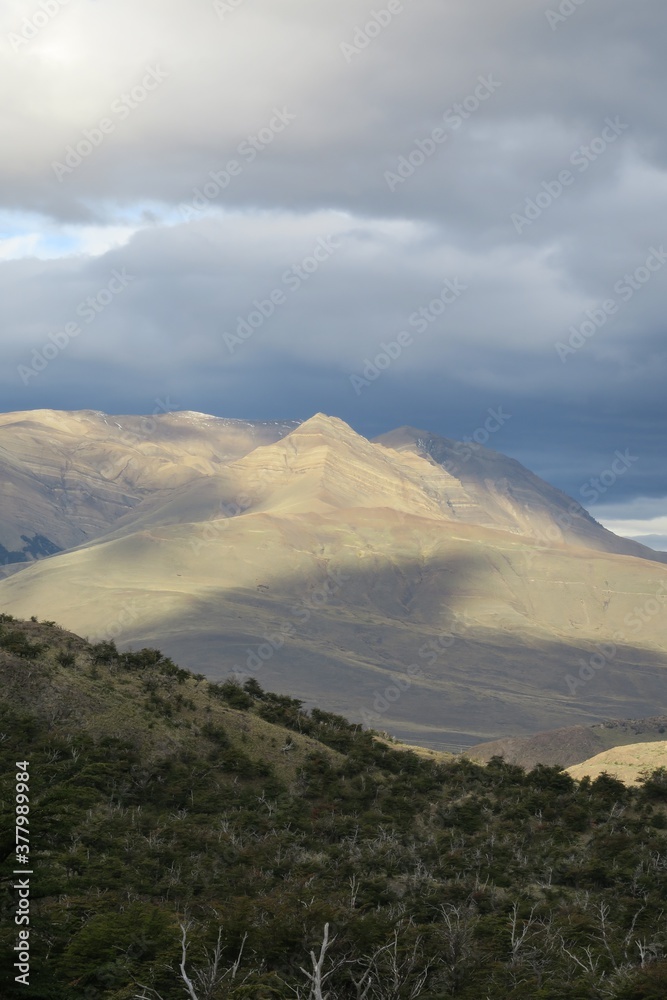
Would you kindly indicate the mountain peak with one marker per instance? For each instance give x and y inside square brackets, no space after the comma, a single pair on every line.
[324,464]
[322,423]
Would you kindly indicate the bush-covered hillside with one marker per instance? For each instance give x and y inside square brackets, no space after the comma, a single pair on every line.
[214,842]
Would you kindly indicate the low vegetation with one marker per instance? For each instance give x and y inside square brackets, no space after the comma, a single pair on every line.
[219,842]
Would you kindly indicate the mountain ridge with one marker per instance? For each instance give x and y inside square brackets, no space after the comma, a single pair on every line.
[475,465]
[213,536]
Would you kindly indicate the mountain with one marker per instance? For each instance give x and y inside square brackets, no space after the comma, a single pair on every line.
[446,603]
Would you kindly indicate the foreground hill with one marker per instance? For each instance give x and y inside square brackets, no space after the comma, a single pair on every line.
[446,603]
[203,840]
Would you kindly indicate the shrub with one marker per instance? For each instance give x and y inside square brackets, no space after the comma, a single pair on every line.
[232,693]
[18,643]
[654,786]
[104,652]
[142,659]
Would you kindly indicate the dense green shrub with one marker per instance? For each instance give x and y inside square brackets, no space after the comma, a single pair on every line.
[437,879]
[17,642]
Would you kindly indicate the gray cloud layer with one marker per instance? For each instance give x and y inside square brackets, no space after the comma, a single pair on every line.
[307,161]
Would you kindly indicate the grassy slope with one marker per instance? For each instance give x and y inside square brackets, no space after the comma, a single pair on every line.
[105,701]
[628,763]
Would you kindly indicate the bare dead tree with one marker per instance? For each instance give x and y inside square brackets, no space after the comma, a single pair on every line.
[602,910]
[586,960]
[353,882]
[318,977]
[393,973]
[202,983]
[519,934]
[457,950]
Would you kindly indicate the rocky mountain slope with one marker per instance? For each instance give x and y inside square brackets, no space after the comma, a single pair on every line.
[490,489]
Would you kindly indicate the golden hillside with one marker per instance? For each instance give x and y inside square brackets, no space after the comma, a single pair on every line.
[627,763]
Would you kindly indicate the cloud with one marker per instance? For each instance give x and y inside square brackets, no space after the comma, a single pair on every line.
[652,532]
[207,151]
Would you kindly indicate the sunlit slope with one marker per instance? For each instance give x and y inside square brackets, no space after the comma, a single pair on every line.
[627,763]
[569,745]
[319,467]
[70,476]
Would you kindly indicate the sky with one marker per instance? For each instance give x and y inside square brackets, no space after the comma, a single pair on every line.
[450,214]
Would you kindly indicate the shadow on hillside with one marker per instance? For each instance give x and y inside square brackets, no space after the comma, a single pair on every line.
[395,648]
